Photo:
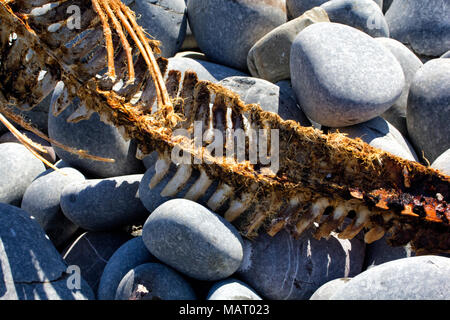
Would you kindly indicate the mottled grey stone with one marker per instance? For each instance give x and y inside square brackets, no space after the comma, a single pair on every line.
[428,109]
[329,288]
[226,30]
[154,281]
[364,15]
[91,252]
[382,135]
[442,163]
[297,7]
[130,255]
[342,76]
[271,97]
[283,268]
[380,252]
[410,63]
[104,204]
[415,278]
[30,266]
[269,57]
[193,240]
[446,55]
[205,70]
[18,168]
[42,198]
[165,20]
[423,25]
[98,139]
[232,289]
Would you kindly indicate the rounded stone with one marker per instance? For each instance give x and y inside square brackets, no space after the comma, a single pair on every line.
[232,289]
[193,240]
[154,281]
[364,15]
[423,25]
[282,268]
[271,97]
[104,204]
[296,8]
[32,268]
[98,139]
[165,20]
[328,289]
[428,109]
[91,251]
[42,201]
[130,255]
[226,30]
[382,135]
[342,76]
[415,278]
[446,55]
[410,64]
[18,169]
[442,163]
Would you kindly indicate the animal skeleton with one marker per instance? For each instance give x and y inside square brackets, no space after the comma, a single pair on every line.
[321,177]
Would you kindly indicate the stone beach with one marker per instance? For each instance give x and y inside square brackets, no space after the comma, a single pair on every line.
[374,70]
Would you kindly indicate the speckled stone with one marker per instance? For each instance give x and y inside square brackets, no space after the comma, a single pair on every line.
[42,198]
[423,25]
[381,134]
[130,255]
[342,76]
[283,268]
[154,281]
[328,289]
[442,163]
[364,15]
[98,139]
[415,278]
[428,109]
[410,63]
[18,168]
[269,57]
[91,252]
[165,20]
[271,97]
[226,30]
[232,289]
[104,204]
[30,266]
[297,7]
[193,240]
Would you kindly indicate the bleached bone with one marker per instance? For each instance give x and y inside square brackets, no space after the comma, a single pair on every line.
[178,181]
[219,197]
[199,188]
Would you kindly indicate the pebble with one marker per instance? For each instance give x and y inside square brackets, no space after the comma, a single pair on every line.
[130,255]
[236,26]
[446,55]
[429,109]
[104,204]
[296,8]
[205,70]
[32,268]
[18,168]
[415,278]
[154,281]
[91,252]
[271,97]
[329,288]
[282,268]
[98,139]
[410,64]
[382,135]
[193,240]
[364,15]
[165,20]
[42,201]
[342,76]
[442,163]
[232,289]
[380,252]
[423,25]
[269,57]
